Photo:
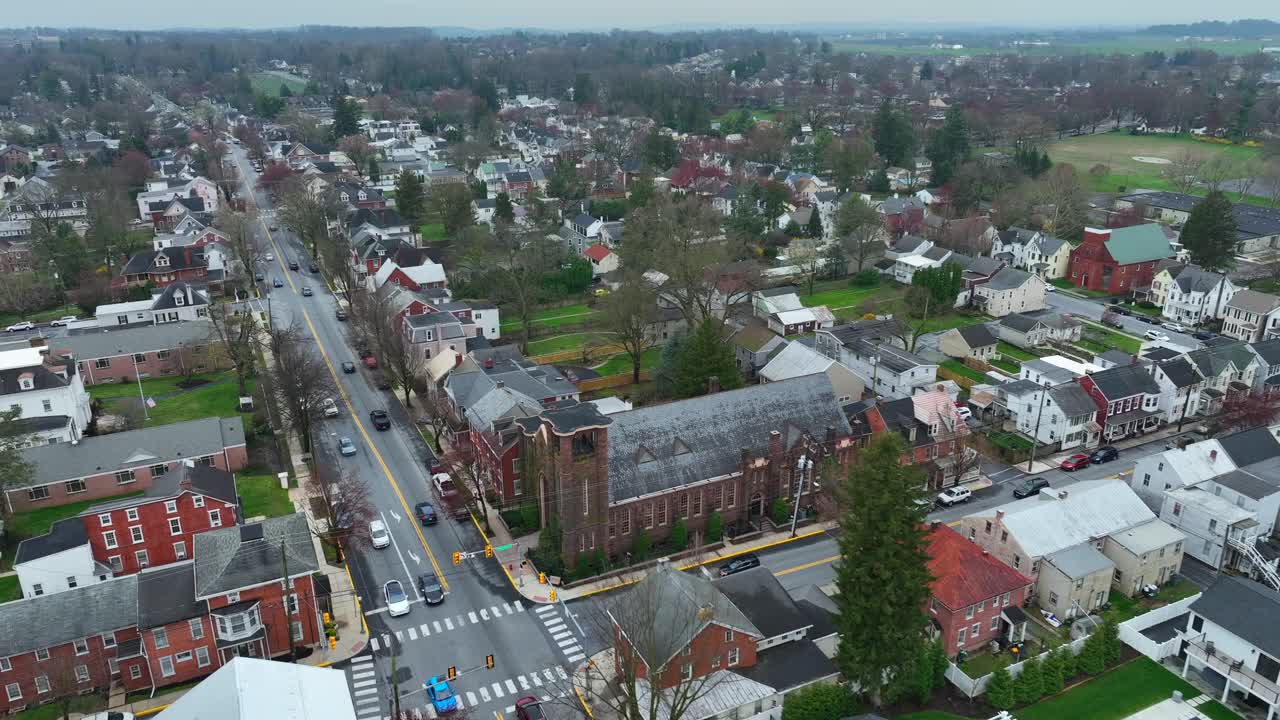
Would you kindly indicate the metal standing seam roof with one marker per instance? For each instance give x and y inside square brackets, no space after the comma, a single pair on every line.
[255,689]
[1079,561]
[1137,244]
[1045,524]
[795,360]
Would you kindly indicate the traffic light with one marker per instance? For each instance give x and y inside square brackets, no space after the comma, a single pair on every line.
[488,551]
[542,578]
[453,673]
[457,558]
[553,594]
[333,642]
[488,662]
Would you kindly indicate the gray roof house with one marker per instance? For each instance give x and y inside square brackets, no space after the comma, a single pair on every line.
[244,556]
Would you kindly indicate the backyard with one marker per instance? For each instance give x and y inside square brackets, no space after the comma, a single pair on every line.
[561,343]
[621,363]
[840,294]
[552,317]
[37,522]
[9,589]
[261,495]
[432,232]
[213,395]
[1113,695]
[963,370]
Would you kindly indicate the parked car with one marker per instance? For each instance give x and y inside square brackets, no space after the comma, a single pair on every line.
[964,413]
[1203,335]
[529,708]
[369,360]
[63,321]
[426,513]
[1119,310]
[954,495]
[1104,454]
[381,382]
[1075,462]
[432,592]
[381,420]
[346,447]
[277,282]
[271,258]
[19,327]
[378,533]
[1029,487]
[1147,319]
[314,268]
[397,601]
[259,277]
[441,697]
[348,367]
[293,264]
[306,291]
[740,563]
[1155,335]
[330,408]
[1174,327]
[341,314]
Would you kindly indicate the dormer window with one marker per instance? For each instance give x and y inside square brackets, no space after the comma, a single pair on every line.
[678,447]
[27,381]
[162,261]
[178,299]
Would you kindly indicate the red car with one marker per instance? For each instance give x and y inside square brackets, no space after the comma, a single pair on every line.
[1075,462]
[528,708]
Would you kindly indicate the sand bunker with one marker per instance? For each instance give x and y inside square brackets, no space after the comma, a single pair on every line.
[1152,160]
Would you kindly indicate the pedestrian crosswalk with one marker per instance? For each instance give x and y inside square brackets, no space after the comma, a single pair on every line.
[363,680]
[425,629]
[546,683]
[553,618]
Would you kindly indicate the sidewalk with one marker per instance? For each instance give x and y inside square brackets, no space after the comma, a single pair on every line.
[1052,462]
[525,578]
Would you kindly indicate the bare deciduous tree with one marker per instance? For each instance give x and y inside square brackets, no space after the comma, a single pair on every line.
[240,229]
[1185,169]
[860,228]
[343,499]
[308,213]
[300,380]
[236,329]
[628,318]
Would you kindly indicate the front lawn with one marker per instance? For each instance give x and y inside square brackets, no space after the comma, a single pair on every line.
[930,715]
[621,363]
[262,495]
[1113,695]
[37,522]
[560,343]
[432,232]
[53,711]
[1062,283]
[10,589]
[963,370]
[151,387]
[1013,352]
[1106,339]
[220,400]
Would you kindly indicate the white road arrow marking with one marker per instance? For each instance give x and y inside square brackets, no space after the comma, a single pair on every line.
[417,560]
[394,514]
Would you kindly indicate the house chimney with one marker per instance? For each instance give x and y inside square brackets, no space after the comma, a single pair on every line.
[488,363]
[1213,456]
[999,516]
[935,525]
[775,444]
[713,384]
[457,359]
[1062,494]
[500,384]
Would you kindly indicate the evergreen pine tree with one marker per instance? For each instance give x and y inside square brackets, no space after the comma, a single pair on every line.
[1052,673]
[705,354]
[503,209]
[1210,233]
[879,182]
[1029,685]
[410,201]
[1093,655]
[1000,689]
[679,539]
[1112,647]
[375,170]
[814,227]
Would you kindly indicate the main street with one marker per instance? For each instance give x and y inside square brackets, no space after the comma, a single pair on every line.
[482,613]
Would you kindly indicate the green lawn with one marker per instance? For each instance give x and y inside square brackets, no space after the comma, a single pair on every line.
[560,343]
[40,316]
[1010,366]
[432,232]
[950,320]
[1016,353]
[554,317]
[269,83]
[1107,339]
[262,495]
[621,363]
[1113,695]
[215,400]
[960,368]
[1124,608]
[984,664]
[930,715]
[1215,710]
[1009,440]
[150,387]
[840,294]
[38,522]
[10,589]
[52,711]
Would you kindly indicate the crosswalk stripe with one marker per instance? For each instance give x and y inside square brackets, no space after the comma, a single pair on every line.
[399,637]
[361,659]
[550,677]
[507,607]
[448,623]
[423,628]
[519,606]
[574,649]
[561,636]
[484,614]
[543,609]
[560,671]
[362,675]
[364,683]
[576,658]
[472,615]
[461,622]
[436,625]
[367,701]
[460,705]
[366,691]
[373,643]
[567,642]
[471,697]
[386,640]
[497,690]
[536,680]
[511,686]
[496,612]
[557,627]
[413,633]
[484,694]
[511,709]
[524,684]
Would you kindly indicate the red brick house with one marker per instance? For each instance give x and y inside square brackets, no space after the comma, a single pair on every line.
[902,215]
[1127,398]
[165,625]
[1119,260]
[105,466]
[165,266]
[974,598]
[158,350]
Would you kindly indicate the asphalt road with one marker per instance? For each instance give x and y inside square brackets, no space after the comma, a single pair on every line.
[482,613]
[1091,309]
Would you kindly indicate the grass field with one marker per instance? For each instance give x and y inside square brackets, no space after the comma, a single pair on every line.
[1117,151]
[219,398]
[38,522]
[432,232]
[560,343]
[963,370]
[1015,353]
[553,317]
[621,363]
[262,495]
[841,295]
[1112,696]
[268,83]
[41,316]
[151,387]
[10,589]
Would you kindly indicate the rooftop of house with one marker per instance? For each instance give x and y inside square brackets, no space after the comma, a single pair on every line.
[661,447]
[255,689]
[1147,537]
[1073,400]
[166,594]
[977,336]
[41,376]
[1125,380]
[765,603]
[247,555]
[1137,244]
[1252,301]
[1079,561]
[98,454]
[47,620]
[1020,322]
[1214,505]
[187,476]
[109,342]
[63,535]
[755,337]
[795,360]
[963,573]
[1180,372]
[1008,279]
[1053,521]
[1247,609]
[1194,279]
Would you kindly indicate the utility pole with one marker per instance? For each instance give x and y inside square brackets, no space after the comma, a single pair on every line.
[141,396]
[284,594]
[395,689]
[804,466]
[1035,436]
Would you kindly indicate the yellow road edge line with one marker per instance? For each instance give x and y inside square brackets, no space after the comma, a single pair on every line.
[151,711]
[495,555]
[806,566]
[355,417]
[364,624]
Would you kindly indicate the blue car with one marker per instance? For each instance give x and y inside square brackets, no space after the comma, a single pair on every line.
[442,698]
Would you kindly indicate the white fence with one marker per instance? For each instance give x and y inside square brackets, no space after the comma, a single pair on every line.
[1131,630]
[972,687]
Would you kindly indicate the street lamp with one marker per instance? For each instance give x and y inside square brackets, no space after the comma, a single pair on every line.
[804,466]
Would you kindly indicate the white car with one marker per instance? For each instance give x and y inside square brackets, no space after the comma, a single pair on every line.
[271,257]
[397,601]
[19,327]
[63,321]
[1174,327]
[330,408]
[954,495]
[964,413]
[378,533]
[1155,335]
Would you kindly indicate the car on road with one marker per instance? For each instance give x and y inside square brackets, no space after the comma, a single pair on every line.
[1203,335]
[1104,454]
[369,360]
[381,382]
[271,257]
[346,447]
[954,496]
[330,408]
[431,590]
[348,367]
[1119,310]
[1155,335]
[441,697]
[259,277]
[275,227]
[378,534]
[340,314]
[1029,487]
[529,708]
[313,268]
[964,413]
[397,601]
[740,563]
[293,264]
[306,291]
[21,326]
[63,321]
[381,420]
[426,513]
[1147,319]
[277,282]
[1174,327]
[1075,462]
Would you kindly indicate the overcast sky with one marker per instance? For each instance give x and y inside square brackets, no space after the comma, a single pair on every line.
[572,14]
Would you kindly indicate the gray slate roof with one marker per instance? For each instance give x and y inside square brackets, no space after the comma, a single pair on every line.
[133,449]
[793,407]
[233,558]
[1180,372]
[759,595]
[1073,400]
[58,618]
[1256,481]
[976,336]
[1250,446]
[1079,561]
[63,535]
[1008,279]
[167,594]
[1268,350]
[1125,380]
[1195,279]
[1258,303]
[1245,608]
[1020,322]
[137,339]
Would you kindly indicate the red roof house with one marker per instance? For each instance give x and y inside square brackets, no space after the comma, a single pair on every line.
[974,598]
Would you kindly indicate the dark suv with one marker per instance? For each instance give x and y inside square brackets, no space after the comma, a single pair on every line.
[432,593]
[740,563]
[1029,487]
[381,420]
[426,513]
[1104,454]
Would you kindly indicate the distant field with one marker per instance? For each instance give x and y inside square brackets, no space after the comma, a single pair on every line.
[1124,44]
[1117,151]
[268,83]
